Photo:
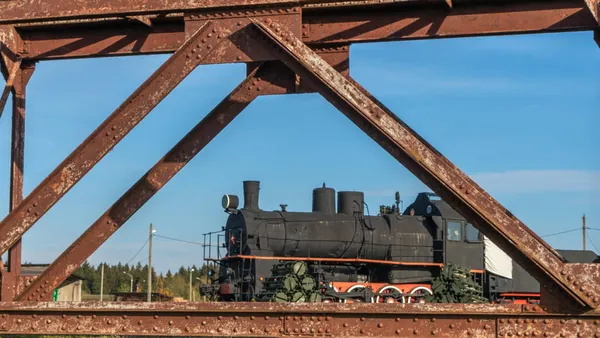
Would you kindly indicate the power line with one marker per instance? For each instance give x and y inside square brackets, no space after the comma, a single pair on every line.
[140,250]
[594,245]
[178,240]
[595,229]
[562,232]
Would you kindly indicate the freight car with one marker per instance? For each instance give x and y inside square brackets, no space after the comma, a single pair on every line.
[353,257]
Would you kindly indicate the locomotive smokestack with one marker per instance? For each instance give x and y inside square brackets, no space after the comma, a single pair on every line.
[251,189]
[324,200]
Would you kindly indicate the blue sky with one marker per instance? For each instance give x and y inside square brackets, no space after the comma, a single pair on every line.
[517,113]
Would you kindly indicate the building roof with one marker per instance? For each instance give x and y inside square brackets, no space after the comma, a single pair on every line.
[32,270]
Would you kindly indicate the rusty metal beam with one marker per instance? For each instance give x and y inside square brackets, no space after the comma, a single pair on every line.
[18,11]
[437,22]
[323,28]
[297,319]
[159,175]
[594,7]
[435,170]
[11,275]
[10,82]
[107,135]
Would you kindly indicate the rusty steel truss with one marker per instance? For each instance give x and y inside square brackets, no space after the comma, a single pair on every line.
[289,46]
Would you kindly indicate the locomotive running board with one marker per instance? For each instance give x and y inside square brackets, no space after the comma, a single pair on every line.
[568,283]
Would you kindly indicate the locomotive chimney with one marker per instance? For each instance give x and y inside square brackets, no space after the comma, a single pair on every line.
[251,189]
[324,200]
[350,202]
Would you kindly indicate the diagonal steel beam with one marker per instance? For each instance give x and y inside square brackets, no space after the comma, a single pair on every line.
[10,82]
[159,175]
[108,134]
[429,165]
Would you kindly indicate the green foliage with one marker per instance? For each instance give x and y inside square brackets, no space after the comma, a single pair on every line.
[455,285]
[115,280]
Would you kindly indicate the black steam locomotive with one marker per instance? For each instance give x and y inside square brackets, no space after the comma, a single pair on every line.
[350,256]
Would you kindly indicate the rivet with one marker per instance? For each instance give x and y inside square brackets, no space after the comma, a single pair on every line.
[219,329]
[596,322]
[588,294]
[432,332]
[328,317]
[397,319]
[64,316]
[527,308]
[562,334]
[139,322]
[238,57]
[296,330]
[546,321]
[433,319]
[199,56]
[48,321]
[214,30]
[155,316]
[451,326]
[303,330]
[295,318]
[281,330]
[397,331]
[187,329]
[570,278]
[203,322]
[235,329]
[519,321]
[415,319]
[209,35]
[312,330]
[510,320]
[546,334]
[564,272]
[362,331]
[78,327]
[535,321]
[486,326]
[362,319]
[415,331]
[235,317]
[469,320]
[252,330]
[109,322]
[576,283]
[289,318]
[267,330]
[266,317]
[579,334]
[579,321]
[327,330]
[379,325]
[170,322]
[596,300]
[469,332]
[345,325]
[597,335]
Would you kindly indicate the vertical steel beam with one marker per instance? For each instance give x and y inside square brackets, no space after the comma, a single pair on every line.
[22,75]
[108,134]
[165,169]
[435,170]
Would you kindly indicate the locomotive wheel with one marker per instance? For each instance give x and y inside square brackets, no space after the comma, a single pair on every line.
[391,295]
[357,288]
[419,290]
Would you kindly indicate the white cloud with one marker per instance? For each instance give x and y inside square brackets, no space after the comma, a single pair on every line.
[539,181]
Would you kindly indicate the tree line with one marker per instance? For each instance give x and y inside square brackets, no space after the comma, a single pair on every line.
[118,278]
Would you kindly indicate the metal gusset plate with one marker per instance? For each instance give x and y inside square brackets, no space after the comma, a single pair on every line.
[159,175]
[107,135]
[435,170]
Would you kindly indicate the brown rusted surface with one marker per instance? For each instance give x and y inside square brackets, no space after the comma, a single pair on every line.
[23,73]
[15,11]
[429,165]
[439,22]
[237,47]
[10,82]
[295,319]
[159,175]
[122,37]
[118,38]
[106,136]
[594,7]
[10,43]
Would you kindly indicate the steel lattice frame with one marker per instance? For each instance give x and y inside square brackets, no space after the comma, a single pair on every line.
[289,47]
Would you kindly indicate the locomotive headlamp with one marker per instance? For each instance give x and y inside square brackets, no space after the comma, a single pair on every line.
[230,202]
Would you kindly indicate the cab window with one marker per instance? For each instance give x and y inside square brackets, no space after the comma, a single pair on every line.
[454,231]
[471,233]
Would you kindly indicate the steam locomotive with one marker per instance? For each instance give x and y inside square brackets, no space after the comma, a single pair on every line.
[353,257]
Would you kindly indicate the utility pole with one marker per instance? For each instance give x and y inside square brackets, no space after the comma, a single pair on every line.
[191,271]
[150,264]
[583,229]
[101,280]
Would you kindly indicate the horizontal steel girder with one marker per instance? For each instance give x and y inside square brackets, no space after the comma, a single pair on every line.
[293,319]
[147,186]
[436,171]
[319,28]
